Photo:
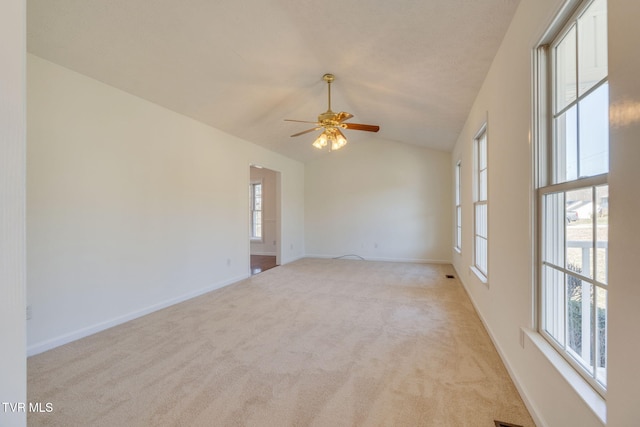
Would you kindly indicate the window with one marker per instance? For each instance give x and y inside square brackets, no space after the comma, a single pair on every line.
[572,194]
[480,257]
[458,245]
[256,211]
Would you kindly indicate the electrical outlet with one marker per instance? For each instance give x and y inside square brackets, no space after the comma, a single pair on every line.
[29,312]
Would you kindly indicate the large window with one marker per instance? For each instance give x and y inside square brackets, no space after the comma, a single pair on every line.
[458,245]
[480,206]
[572,193]
[256,211]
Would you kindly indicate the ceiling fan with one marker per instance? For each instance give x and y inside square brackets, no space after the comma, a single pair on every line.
[332,123]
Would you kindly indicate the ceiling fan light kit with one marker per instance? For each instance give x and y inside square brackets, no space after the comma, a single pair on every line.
[331,123]
[333,136]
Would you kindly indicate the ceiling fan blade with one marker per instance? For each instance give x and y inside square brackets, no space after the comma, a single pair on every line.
[358,126]
[306,131]
[342,116]
[301,121]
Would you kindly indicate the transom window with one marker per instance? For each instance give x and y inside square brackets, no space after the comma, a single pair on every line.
[573,195]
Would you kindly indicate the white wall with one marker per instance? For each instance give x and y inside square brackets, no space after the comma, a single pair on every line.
[127,210]
[131,206]
[13,369]
[507,303]
[269,243]
[380,200]
[624,209]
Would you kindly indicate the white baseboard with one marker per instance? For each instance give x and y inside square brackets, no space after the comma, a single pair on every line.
[386,259]
[284,261]
[531,407]
[98,327]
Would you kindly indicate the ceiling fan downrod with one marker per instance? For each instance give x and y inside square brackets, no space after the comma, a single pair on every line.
[329,78]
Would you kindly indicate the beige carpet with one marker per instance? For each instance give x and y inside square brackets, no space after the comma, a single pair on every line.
[311,343]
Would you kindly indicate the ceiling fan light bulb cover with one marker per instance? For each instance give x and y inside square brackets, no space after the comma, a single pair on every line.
[339,142]
[321,142]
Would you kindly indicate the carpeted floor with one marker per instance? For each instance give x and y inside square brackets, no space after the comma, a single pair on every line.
[313,343]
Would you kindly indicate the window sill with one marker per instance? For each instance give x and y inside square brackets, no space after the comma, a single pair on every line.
[591,398]
[480,275]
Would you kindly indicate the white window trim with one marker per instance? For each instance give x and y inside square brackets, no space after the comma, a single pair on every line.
[592,393]
[483,276]
[251,201]
[581,183]
[458,208]
[594,401]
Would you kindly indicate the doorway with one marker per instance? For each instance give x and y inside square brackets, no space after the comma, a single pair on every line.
[264,219]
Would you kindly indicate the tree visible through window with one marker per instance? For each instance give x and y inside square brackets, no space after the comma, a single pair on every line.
[573,195]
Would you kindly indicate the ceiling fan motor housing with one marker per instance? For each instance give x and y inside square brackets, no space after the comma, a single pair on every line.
[328,118]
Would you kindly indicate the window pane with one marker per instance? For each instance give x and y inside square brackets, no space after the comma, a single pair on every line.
[592,45]
[594,132]
[601,336]
[553,296]
[566,146]
[253,224]
[553,224]
[257,224]
[482,151]
[579,320]
[481,220]
[257,197]
[579,231]
[565,63]
[602,236]
[481,254]
[458,227]
[482,185]
[481,258]
[458,182]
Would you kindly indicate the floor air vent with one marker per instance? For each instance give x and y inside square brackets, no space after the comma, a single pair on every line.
[450,276]
[503,424]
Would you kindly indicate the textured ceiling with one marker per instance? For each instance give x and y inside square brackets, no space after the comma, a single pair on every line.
[411,66]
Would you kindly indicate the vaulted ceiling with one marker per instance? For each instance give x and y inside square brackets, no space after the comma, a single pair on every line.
[413,67]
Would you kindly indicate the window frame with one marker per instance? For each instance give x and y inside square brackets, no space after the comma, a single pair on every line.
[252,210]
[481,198]
[547,182]
[458,207]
